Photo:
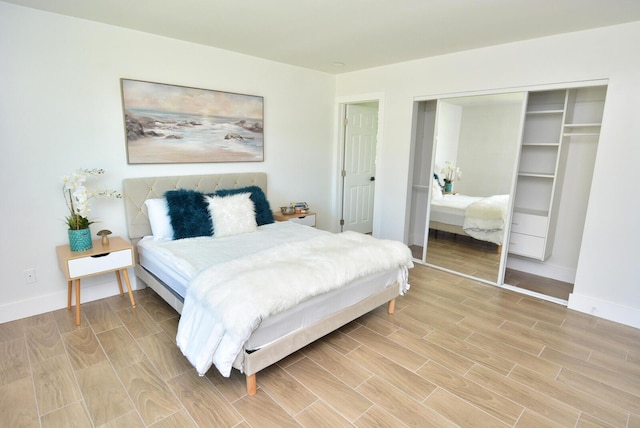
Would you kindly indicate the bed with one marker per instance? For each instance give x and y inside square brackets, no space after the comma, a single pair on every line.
[286,257]
[482,218]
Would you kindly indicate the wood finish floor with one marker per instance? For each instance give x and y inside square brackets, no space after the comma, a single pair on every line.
[539,284]
[462,254]
[481,260]
[456,353]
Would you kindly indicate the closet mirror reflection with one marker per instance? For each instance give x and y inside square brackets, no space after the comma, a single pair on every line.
[473,140]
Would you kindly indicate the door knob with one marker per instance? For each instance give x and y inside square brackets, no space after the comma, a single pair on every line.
[372,179]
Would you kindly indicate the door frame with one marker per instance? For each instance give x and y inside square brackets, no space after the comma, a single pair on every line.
[341,108]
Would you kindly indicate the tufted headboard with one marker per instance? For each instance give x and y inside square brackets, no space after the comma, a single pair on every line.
[138,190]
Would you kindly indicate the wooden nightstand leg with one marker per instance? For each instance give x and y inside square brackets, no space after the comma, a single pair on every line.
[78,301]
[126,280]
[119,282]
[70,286]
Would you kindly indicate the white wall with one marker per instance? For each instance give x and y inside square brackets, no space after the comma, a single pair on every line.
[608,276]
[449,120]
[489,142]
[60,109]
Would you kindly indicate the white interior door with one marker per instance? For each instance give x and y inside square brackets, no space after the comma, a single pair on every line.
[361,131]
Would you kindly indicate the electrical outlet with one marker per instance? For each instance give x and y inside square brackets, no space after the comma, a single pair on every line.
[30,276]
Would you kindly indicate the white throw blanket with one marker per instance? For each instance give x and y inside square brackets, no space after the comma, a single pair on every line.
[227,302]
[485,218]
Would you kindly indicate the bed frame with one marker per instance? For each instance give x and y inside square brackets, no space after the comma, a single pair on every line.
[138,190]
[455,229]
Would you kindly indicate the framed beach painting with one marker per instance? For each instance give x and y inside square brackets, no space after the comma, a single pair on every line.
[177,124]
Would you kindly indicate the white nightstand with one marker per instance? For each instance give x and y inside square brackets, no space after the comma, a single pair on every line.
[308,219]
[115,257]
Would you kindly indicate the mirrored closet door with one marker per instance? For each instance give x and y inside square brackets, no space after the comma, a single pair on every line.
[464,160]
[521,165]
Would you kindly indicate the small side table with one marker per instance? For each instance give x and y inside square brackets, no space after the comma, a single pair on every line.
[308,219]
[116,257]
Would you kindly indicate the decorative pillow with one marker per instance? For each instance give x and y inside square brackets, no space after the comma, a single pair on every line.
[436,190]
[264,215]
[232,215]
[189,214]
[158,212]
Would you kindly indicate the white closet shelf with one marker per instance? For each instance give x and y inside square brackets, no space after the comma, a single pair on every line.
[531,211]
[541,143]
[581,134]
[536,174]
[545,112]
[420,187]
[582,129]
[581,125]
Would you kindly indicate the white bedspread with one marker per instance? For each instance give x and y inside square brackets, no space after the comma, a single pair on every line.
[485,219]
[227,301]
[193,255]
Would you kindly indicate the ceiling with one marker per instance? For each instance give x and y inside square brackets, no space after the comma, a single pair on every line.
[338,36]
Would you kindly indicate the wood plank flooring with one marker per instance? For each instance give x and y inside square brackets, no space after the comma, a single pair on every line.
[462,254]
[481,260]
[455,353]
[539,284]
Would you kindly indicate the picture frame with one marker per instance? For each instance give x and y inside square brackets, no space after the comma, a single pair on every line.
[166,123]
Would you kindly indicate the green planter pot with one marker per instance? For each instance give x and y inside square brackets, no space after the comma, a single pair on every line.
[80,239]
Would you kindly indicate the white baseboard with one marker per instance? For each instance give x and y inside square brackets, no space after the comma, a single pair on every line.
[58,300]
[605,309]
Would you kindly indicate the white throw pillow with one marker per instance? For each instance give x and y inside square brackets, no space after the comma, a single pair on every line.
[232,215]
[158,212]
[436,190]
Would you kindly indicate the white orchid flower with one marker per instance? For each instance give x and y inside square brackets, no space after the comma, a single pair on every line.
[78,197]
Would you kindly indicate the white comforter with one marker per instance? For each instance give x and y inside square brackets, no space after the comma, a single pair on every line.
[485,219]
[226,302]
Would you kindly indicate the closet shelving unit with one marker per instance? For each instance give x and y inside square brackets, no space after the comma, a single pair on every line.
[554,119]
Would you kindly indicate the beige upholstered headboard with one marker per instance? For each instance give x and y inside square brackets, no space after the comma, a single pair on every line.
[138,190]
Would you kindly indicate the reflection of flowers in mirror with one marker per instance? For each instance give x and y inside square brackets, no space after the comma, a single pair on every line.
[77,197]
[450,172]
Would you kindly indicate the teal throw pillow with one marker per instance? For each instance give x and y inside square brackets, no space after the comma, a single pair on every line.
[189,214]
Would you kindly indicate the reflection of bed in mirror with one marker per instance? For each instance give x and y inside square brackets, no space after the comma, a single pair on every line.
[479,135]
[482,218]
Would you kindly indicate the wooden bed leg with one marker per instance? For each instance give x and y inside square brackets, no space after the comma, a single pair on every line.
[391,308]
[499,249]
[252,387]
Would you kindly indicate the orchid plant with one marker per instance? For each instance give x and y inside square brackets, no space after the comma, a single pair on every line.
[451,173]
[77,197]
